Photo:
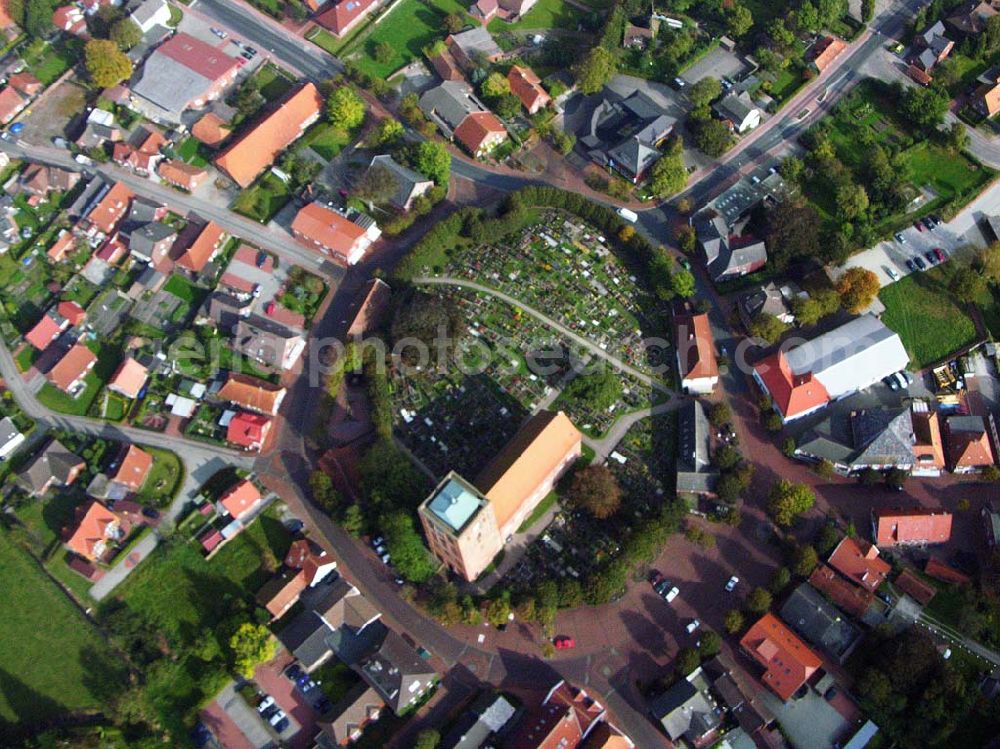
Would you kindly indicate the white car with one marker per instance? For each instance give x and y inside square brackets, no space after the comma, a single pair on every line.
[265,704]
[693,625]
[219,33]
[628,215]
[278,716]
[731,585]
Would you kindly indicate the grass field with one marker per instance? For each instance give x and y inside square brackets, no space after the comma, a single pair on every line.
[165,478]
[54,398]
[408,28]
[264,199]
[184,290]
[544,506]
[547,14]
[324,40]
[326,140]
[27,356]
[274,83]
[926,317]
[193,151]
[49,62]
[54,661]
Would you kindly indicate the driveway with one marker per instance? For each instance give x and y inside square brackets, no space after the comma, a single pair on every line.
[123,568]
[718,64]
[234,723]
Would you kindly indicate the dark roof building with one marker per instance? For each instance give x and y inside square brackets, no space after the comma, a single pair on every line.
[820,622]
[625,133]
[54,465]
[397,673]
[482,725]
[727,256]
[409,184]
[688,710]
[694,463]
[875,438]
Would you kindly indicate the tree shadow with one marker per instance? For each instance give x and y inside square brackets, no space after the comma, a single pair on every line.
[26,702]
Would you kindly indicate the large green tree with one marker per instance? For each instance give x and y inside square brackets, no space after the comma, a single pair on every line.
[787,501]
[702,93]
[126,33]
[595,489]
[409,555]
[433,161]
[345,109]
[106,64]
[595,70]
[250,646]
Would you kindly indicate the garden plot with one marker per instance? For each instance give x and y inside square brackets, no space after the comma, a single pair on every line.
[162,311]
[643,462]
[565,269]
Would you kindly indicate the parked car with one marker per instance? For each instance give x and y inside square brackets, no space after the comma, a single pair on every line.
[150,513]
[731,585]
[920,262]
[891,382]
[911,266]
[918,226]
[668,592]
[901,379]
[377,541]
[562,642]
[928,222]
[278,716]
[265,704]
[893,275]
[281,725]
[385,558]
[628,215]
[900,238]
[219,33]
[931,257]
[940,254]
[693,625]
[294,672]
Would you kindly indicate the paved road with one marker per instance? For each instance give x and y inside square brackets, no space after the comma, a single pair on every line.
[114,577]
[593,348]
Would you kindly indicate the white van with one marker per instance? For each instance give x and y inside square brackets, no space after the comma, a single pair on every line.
[628,215]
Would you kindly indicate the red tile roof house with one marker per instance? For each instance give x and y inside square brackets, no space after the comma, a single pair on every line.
[696,360]
[246,265]
[133,468]
[910,527]
[451,105]
[104,216]
[129,379]
[252,394]
[211,129]
[185,176]
[47,330]
[12,103]
[95,531]
[239,499]
[69,372]
[73,312]
[257,149]
[859,562]
[566,717]
[193,256]
[70,18]
[39,179]
[64,244]
[248,430]
[480,133]
[967,444]
[320,227]
[311,565]
[345,15]
[527,87]
[788,662]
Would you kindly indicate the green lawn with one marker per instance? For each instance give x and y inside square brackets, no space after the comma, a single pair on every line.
[324,40]
[53,661]
[326,140]
[45,518]
[950,175]
[184,290]
[164,480]
[47,62]
[273,82]
[193,151]
[26,357]
[547,14]
[408,28]
[926,317]
[544,506]
[54,398]
[264,199]
[176,15]
[786,84]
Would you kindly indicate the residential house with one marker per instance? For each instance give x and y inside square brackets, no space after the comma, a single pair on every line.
[267,342]
[928,447]
[248,430]
[915,587]
[94,532]
[910,527]
[106,214]
[859,562]
[397,673]
[788,662]
[252,393]
[743,702]
[98,129]
[306,565]
[831,366]
[527,87]
[321,227]
[152,242]
[482,724]
[769,299]
[409,184]
[640,31]
[508,10]
[246,267]
[473,48]
[10,438]
[688,711]
[991,522]
[195,248]
[875,438]
[970,18]
[565,718]
[728,256]
[820,622]
[26,83]
[347,720]
[69,372]
[185,176]
[182,73]
[70,18]
[261,144]
[129,379]
[133,469]
[47,329]
[696,360]
[444,64]
[41,179]
[345,15]
[930,47]
[985,99]
[240,499]
[738,111]
[211,129]
[968,444]
[12,103]
[825,51]
[480,132]
[141,158]
[625,133]
[150,13]
[53,466]
[850,599]
[71,312]
[64,244]
[371,308]
[466,523]
[694,463]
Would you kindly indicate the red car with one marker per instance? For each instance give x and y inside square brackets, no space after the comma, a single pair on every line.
[939,253]
[269,308]
[564,643]
[918,226]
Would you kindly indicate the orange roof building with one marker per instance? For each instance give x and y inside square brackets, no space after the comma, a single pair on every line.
[793,395]
[826,50]
[112,207]
[46,330]
[527,87]
[920,591]
[239,499]
[344,15]
[129,379]
[96,528]
[696,360]
[265,140]
[788,662]
[849,598]
[968,444]
[252,394]
[945,573]
[248,430]
[211,129]
[480,133]
[11,104]
[986,99]
[134,468]
[928,447]
[72,312]
[859,562]
[319,227]
[64,244]
[311,564]
[26,83]
[68,373]
[908,527]
[565,717]
[196,255]
[186,176]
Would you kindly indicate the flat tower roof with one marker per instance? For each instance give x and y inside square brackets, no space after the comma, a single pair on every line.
[455,502]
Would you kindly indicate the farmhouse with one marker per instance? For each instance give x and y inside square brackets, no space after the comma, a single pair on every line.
[321,227]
